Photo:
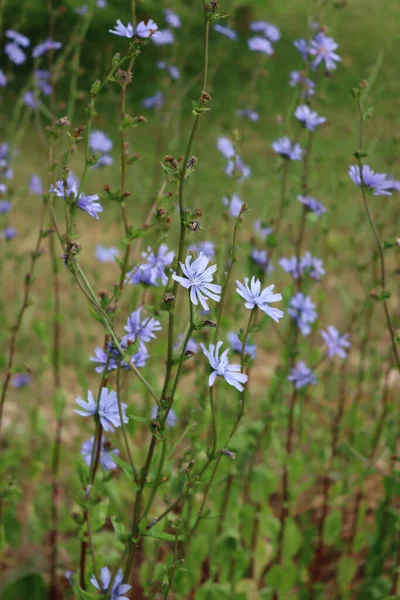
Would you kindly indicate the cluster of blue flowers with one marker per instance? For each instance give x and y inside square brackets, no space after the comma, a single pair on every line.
[17,45]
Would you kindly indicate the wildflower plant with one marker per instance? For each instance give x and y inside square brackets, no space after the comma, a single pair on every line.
[215,342]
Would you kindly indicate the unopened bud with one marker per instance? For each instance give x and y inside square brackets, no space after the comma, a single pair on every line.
[171,162]
[204,97]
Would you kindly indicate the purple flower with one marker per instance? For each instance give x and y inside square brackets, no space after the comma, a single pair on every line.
[82,10]
[146,30]
[237,167]
[172,419]
[14,53]
[142,330]
[107,411]
[118,589]
[100,142]
[154,267]
[308,86]
[198,279]
[371,180]
[172,18]
[270,31]
[3,79]
[106,460]
[101,3]
[155,101]
[302,310]
[290,265]
[36,185]
[323,48]
[226,147]
[222,368]
[236,345]
[227,31]
[286,149]
[3,188]
[312,265]
[302,376]
[255,297]
[111,357]
[104,254]
[18,38]
[192,347]
[313,205]
[309,118]
[5,207]
[21,380]
[123,31]
[207,248]
[104,161]
[260,257]
[45,47]
[260,44]
[302,47]
[173,71]
[163,37]
[89,205]
[261,230]
[65,189]
[248,113]
[9,233]
[235,205]
[29,99]
[336,343]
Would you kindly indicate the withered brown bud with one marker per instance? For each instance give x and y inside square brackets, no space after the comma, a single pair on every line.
[197,213]
[63,122]
[78,131]
[204,97]
[191,162]
[374,294]
[363,83]
[169,297]
[141,119]
[107,188]
[170,194]
[125,77]
[170,161]
[245,207]
[161,212]
[209,323]
[194,226]
[102,295]
[168,220]
[107,445]
[126,194]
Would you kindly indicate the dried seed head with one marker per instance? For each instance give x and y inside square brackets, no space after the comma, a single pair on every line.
[171,162]
[125,77]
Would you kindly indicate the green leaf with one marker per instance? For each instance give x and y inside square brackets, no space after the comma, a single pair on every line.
[161,535]
[346,570]
[12,528]
[98,514]
[29,585]
[292,539]
[282,578]
[333,527]
[125,466]
[82,595]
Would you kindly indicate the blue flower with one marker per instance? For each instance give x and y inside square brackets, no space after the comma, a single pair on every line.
[336,343]
[100,142]
[89,205]
[118,589]
[261,230]
[226,147]
[172,419]
[142,330]
[302,376]
[173,71]
[290,265]
[236,166]
[221,367]
[192,347]
[286,149]
[18,38]
[235,205]
[198,279]
[107,411]
[172,18]
[65,189]
[104,161]
[308,86]
[155,101]
[154,267]
[3,79]
[82,10]
[106,460]
[312,265]
[112,357]
[29,99]
[302,47]
[236,345]
[5,207]
[163,37]
[146,30]
[36,185]
[255,297]
[14,53]
[101,3]
[371,180]
[123,31]
[227,31]
[206,247]
[9,233]
[45,47]
[323,48]
[21,380]
[313,205]
[248,113]
[270,31]
[260,257]
[309,118]
[104,254]
[260,44]
[42,79]
[302,310]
